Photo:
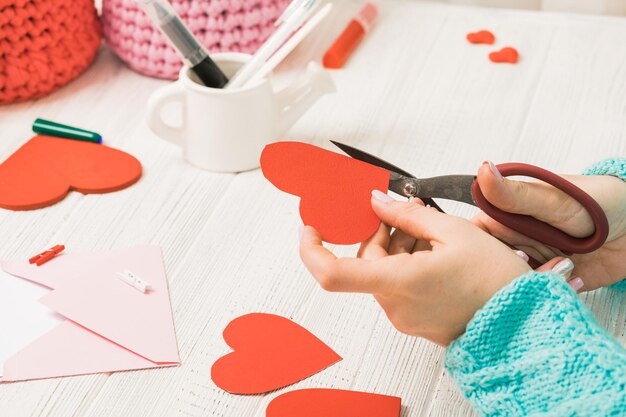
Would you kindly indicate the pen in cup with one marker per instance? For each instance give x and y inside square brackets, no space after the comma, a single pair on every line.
[295,16]
[193,53]
[289,45]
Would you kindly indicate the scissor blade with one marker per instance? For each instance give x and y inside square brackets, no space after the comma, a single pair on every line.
[370,159]
[374,160]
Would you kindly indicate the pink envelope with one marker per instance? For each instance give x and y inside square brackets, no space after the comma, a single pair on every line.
[109,325]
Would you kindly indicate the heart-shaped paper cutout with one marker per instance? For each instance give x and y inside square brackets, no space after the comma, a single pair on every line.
[506,55]
[335,190]
[481,37]
[269,352]
[333,403]
[45,169]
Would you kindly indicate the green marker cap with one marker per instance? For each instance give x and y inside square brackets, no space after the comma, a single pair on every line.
[46,127]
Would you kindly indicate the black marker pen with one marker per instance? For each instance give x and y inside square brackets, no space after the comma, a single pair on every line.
[194,55]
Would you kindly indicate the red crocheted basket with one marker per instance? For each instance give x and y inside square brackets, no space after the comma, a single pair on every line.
[220,25]
[44,44]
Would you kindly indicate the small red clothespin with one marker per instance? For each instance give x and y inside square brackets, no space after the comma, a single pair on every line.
[45,256]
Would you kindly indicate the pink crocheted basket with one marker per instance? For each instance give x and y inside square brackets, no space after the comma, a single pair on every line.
[220,25]
[44,44]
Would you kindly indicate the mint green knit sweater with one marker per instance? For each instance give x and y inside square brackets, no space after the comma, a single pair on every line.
[536,350]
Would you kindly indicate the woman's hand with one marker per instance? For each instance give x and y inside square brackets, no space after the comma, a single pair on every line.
[602,267]
[430,276]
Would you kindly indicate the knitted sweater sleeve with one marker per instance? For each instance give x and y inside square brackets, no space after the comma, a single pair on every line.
[535,350]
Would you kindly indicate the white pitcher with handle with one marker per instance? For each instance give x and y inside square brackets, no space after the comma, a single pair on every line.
[225,130]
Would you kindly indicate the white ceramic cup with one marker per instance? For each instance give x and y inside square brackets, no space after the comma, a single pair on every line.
[225,130]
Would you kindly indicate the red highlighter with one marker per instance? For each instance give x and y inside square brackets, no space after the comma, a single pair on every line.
[341,49]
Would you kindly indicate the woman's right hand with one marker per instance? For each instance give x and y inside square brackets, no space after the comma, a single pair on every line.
[600,268]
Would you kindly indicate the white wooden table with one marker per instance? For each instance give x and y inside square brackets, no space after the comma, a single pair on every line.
[415,93]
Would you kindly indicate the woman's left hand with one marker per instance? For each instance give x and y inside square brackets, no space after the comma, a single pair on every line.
[600,268]
[430,276]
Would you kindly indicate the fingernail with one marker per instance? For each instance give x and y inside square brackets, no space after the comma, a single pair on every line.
[522,255]
[380,196]
[576,284]
[495,171]
[564,267]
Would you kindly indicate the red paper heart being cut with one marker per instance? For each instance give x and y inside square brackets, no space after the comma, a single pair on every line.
[335,190]
[269,352]
[45,169]
[506,55]
[481,37]
[333,403]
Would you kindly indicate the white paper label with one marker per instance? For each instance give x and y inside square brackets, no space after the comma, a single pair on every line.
[134,281]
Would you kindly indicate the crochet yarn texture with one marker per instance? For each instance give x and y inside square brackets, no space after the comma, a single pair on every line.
[535,350]
[220,25]
[44,44]
[610,166]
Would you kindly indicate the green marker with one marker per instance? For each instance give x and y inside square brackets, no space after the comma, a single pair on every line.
[46,127]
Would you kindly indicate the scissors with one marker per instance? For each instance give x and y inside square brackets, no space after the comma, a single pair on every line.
[465,188]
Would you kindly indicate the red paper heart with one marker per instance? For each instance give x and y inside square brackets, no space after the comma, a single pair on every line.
[333,403]
[481,37]
[506,55]
[335,190]
[45,169]
[269,352]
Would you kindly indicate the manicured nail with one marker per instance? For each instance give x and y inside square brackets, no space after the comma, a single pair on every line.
[495,171]
[380,196]
[522,255]
[576,284]
[564,267]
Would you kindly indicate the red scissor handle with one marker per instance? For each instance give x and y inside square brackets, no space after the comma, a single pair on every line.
[538,230]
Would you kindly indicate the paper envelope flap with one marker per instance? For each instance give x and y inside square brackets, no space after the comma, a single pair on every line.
[106,305]
[88,291]
[70,350]
[53,273]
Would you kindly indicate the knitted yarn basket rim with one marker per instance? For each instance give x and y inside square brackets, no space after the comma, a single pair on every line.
[45,45]
[220,25]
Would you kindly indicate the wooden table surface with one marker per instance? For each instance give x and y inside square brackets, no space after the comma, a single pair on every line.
[415,93]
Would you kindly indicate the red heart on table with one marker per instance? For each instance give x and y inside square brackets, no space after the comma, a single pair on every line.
[335,190]
[269,352]
[506,55]
[45,169]
[481,37]
[333,403]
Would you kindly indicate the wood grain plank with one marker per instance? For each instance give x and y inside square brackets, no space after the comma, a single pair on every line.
[249,271]
[415,93]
